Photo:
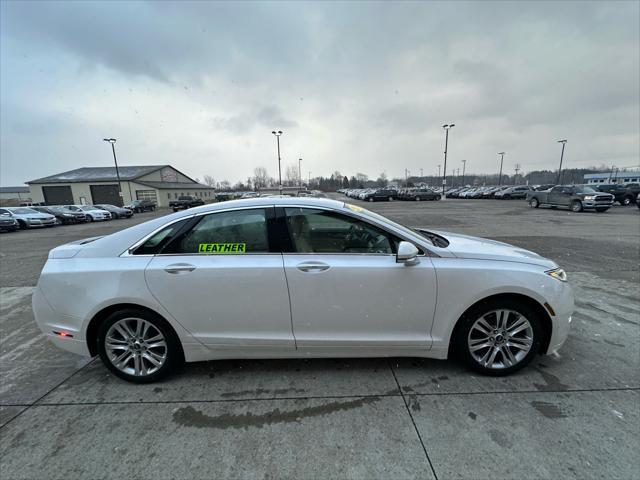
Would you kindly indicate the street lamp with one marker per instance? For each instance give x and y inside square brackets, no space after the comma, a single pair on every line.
[563,142]
[501,162]
[300,172]
[112,141]
[446,127]
[277,134]
[464,164]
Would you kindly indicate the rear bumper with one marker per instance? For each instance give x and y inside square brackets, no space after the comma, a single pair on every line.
[52,324]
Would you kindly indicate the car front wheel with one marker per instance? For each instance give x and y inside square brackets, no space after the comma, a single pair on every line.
[576,206]
[499,337]
[138,346]
[534,203]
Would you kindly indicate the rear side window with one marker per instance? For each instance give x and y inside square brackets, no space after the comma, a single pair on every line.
[155,243]
[236,232]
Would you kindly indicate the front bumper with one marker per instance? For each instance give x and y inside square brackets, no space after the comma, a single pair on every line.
[563,306]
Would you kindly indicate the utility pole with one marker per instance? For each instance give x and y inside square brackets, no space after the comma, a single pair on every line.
[300,172]
[446,127]
[464,164]
[309,181]
[517,169]
[406,177]
[421,174]
[501,161]
[277,134]
[563,142]
[112,141]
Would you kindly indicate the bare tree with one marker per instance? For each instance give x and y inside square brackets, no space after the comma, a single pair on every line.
[209,180]
[291,175]
[382,180]
[362,178]
[260,177]
[225,185]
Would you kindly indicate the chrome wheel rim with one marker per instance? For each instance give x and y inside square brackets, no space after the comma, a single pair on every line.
[136,347]
[500,339]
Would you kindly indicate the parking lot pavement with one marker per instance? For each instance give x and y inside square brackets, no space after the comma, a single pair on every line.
[574,415]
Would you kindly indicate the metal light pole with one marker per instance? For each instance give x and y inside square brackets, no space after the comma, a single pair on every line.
[563,142]
[300,171]
[501,161]
[277,134]
[112,141]
[464,164]
[446,127]
[309,181]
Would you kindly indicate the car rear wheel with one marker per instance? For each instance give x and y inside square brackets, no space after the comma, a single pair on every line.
[138,346]
[418,199]
[534,203]
[499,337]
[627,200]
[576,206]
[370,199]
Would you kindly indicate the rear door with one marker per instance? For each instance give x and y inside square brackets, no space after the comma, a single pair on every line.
[347,292]
[223,281]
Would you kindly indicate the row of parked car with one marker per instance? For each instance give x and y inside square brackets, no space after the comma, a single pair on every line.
[14,218]
[389,194]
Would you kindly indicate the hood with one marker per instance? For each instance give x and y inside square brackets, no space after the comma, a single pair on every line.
[464,246]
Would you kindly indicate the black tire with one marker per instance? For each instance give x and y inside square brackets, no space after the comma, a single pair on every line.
[175,356]
[463,330]
[628,200]
[370,199]
[417,199]
[534,203]
[576,206]
[22,225]
[506,197]
[89,218]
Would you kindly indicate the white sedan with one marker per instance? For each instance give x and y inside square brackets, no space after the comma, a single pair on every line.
[297,277]
[92,214]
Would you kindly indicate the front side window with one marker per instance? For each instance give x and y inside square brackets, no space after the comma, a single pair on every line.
[320,231]
[235,232]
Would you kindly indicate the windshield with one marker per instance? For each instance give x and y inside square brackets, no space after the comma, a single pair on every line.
[384,220]
[24,211]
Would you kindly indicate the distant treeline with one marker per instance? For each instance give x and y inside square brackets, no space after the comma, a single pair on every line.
[536,177]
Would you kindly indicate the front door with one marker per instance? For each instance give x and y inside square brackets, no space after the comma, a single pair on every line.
[347,291]
[222,281]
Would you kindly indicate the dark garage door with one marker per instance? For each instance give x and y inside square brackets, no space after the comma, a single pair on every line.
[58,195]
[105,194]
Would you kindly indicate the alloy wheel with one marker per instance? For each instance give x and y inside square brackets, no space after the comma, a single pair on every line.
[136,347]
[500,339]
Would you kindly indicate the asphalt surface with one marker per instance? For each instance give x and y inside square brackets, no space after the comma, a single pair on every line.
[573,415]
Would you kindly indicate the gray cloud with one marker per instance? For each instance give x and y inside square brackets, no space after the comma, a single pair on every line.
[356,86]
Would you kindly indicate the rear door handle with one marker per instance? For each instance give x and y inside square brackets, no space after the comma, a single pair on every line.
[179,268]
[312,267]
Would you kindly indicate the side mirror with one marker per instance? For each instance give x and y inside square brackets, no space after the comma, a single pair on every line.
[407,254]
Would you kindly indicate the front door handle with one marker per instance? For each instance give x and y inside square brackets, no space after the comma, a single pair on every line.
[179,268]
[312,267]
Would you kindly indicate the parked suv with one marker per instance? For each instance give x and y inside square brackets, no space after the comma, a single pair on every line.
[139,206]
[622,194]
[186,201]
[380,194]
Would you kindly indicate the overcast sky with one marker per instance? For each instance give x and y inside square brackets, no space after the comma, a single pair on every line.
[358,87]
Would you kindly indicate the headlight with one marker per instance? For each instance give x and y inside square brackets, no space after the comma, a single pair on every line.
[558,274]
[589,197]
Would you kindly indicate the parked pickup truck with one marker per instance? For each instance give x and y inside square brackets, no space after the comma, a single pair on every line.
[184,202]
[575,197]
